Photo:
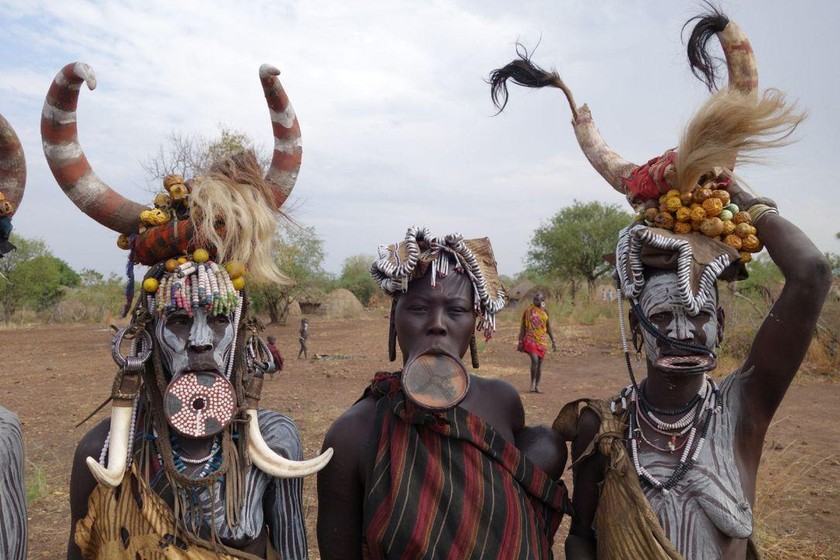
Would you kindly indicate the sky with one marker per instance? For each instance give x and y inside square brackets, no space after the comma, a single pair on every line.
[397,123]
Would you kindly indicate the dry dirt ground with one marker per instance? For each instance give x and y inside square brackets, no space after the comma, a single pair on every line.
[53,376]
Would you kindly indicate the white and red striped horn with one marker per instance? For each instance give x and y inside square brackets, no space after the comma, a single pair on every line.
[67,160]
[285,163]
[12,165]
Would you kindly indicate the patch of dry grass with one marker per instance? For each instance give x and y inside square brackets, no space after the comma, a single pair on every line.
[784,480]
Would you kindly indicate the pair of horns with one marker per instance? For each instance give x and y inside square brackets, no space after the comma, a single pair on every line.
[12,165]
[258,450]
[743,77]
[741,66]
[95,198]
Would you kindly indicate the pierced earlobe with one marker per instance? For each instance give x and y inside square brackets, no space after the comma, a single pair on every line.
[638,343]
[474,352]
[392,334]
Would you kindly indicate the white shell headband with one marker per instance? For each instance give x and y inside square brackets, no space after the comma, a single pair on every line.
[399,263]
[698,260]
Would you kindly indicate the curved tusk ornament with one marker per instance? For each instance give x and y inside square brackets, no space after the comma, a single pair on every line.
[112,476]
[277,466]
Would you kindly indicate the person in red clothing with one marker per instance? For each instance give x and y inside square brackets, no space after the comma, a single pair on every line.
[275,355]
[534,334]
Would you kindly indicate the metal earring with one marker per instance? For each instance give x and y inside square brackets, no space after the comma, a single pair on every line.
[474,352]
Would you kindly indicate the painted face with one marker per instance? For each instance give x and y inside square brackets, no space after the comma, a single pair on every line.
[539,300]
[435,320]
[198,343]
[660,303]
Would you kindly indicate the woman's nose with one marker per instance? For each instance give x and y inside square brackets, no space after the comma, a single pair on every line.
[681,328]
[437,325]
[201,336]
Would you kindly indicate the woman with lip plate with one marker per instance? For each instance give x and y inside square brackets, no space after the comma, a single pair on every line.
[431,461]
[667,469]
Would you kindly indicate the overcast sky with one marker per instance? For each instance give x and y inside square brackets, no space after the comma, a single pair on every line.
[398,127]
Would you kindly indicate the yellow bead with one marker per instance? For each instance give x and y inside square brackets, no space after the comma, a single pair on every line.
[201,255]
[150,285]
[235,269]
[238,283]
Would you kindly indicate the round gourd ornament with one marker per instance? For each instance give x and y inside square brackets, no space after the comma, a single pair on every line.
[201,255]
[150,285]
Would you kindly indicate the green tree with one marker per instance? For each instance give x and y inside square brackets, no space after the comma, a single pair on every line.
[33,276]
[300,255]
[355,276]
[572,245]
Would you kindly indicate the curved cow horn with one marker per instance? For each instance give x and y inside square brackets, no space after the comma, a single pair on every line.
[271,463]
[285,162]
[522,71]
[740,59]
[67,160]
[12,165]
[117,447]
[611,166]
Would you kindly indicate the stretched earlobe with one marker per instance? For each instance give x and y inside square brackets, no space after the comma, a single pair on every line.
[474,352]
[721,322]
[392,334]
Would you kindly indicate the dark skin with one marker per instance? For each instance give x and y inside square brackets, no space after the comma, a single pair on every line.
[776,353]
[536,360]
[427,319]
[195,348]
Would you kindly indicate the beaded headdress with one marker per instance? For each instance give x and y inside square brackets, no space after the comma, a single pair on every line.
[225,216]
[400,263]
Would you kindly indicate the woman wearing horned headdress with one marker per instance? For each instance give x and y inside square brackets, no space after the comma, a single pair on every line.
[188,466]
[667,468]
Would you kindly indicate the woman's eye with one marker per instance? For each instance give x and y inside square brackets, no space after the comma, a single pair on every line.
[219,319]
[179,319]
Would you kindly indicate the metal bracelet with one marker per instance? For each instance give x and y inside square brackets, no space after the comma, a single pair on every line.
[758,211]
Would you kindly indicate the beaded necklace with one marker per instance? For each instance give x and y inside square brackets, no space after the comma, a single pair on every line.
[212,461]
[692,446]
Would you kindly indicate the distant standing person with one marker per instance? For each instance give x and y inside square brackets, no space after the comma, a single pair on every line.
[534,334]
[304,335]
[275,355]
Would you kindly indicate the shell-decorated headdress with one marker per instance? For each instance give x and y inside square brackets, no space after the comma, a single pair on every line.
[697,261]
[399,263]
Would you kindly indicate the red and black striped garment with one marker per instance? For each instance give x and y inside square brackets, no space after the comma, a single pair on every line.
[446,485]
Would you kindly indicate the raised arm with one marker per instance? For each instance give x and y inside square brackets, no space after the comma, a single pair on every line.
[783,338]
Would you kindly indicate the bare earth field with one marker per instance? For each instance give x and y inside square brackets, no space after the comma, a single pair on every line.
[53,376]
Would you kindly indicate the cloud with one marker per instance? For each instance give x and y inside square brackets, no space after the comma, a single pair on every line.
[396,117]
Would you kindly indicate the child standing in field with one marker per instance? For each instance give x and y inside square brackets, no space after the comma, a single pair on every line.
[304,335]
